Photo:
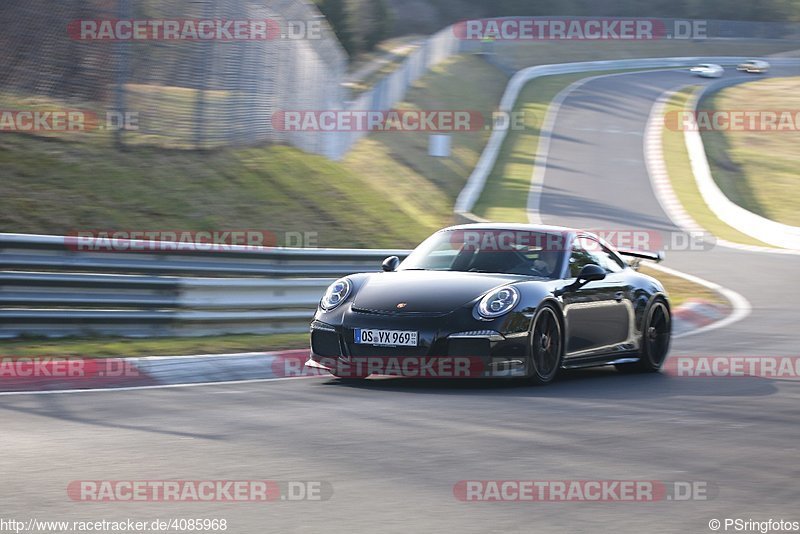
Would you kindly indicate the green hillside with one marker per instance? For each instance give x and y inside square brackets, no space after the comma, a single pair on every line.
[387,193]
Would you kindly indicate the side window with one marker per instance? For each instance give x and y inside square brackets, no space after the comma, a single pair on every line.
[586,251]
[579,257]
[611,263]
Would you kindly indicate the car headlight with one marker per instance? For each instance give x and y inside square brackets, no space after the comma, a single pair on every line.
[335,294]
[498,302]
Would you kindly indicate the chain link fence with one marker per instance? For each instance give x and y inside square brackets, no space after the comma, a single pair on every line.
[192,93]
[204,93]
[392,88]
[186,92]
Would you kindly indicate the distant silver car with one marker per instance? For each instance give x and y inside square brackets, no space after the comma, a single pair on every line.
[708,70]
[757,66]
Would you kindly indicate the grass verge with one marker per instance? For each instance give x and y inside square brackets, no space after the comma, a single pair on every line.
[757,169]
[387,193]
[422,187]
[681,290]
[394,46]
[676,158]
[369,68]
[117,347]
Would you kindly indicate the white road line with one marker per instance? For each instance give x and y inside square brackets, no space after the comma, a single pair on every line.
[662,184]
[741,306]
[158,386]
[542,150]
[657,168]
[766,230]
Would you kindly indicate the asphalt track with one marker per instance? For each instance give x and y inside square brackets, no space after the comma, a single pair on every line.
[393,449]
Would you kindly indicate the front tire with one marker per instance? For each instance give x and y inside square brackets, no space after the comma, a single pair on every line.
[546,346]
[656,337]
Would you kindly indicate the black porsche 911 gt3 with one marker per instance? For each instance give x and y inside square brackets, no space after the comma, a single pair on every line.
[495,300]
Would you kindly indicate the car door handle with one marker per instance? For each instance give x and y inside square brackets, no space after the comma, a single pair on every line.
[619,295]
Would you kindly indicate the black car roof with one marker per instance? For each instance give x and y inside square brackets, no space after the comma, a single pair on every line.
[517,227]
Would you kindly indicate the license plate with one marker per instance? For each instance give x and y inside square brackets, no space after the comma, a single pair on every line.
[403,338]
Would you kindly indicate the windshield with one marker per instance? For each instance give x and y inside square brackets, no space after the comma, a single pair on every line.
[490,251]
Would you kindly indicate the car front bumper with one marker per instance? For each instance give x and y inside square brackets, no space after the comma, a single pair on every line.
[449,346]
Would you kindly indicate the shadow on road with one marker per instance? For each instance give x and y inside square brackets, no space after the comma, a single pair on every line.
[600,383]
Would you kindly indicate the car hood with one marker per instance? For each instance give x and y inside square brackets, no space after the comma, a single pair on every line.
[425,291]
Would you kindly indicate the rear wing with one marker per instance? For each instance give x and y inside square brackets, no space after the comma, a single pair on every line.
[657,257]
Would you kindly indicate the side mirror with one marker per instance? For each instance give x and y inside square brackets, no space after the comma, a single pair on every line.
[390,264]
[591,273]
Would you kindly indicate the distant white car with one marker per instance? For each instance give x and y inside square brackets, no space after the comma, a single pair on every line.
[754,65]
[708,70]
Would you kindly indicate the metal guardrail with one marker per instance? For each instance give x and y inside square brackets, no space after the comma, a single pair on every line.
[47,288]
